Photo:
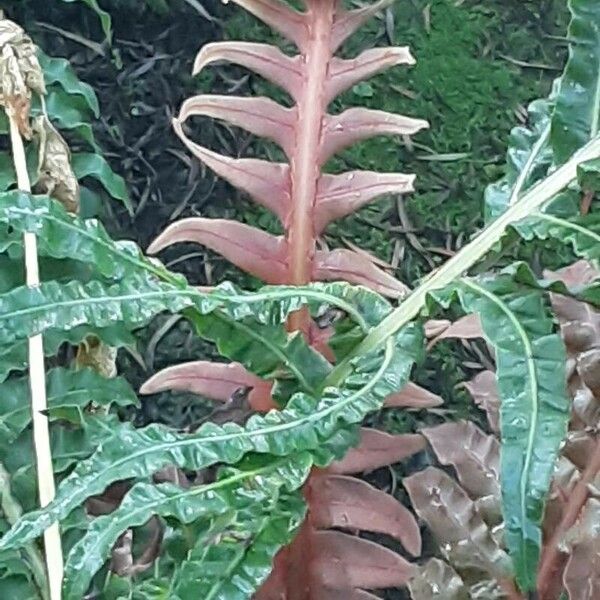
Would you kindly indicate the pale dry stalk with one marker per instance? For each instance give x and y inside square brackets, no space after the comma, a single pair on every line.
[37,380]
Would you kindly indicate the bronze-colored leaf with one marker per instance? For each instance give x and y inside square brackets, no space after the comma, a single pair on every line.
[580,328]
[474,455]
[413,396]
[463,535]
[217,381]
[582,573]
[347,562]
[581,272]
[484,391]
[566,476]
[465,328]
[437,580]
[377,449]
[349,503]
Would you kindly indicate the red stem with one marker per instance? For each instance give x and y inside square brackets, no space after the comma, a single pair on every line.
[586,202]
[551,556]
[304,168]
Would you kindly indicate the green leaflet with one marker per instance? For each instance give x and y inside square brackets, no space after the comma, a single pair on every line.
[14,586]
[27,311]
[59,71]
[263,350]
[527,160]
[251,495]
[561,220]
[70,442]
[26,562]
[104,17]
[321,427]
[576,117]
[69,393]
[531,375]
[239,563]
[262,345]
[72,104]
[61,235]
[70,112]
[87,164]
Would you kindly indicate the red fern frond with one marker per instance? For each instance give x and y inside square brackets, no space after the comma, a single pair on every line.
[304,199]
[321,564]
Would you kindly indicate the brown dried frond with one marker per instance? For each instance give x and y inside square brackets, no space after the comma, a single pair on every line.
[20,73]
[55,174]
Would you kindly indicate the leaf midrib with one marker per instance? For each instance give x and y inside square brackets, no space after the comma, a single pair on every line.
[533,392]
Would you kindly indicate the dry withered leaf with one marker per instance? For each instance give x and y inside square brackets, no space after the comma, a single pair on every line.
[96,355]
[20,73]
[124,563]
[55,175]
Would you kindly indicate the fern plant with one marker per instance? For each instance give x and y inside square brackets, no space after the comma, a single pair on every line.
[466,515]
[229,494]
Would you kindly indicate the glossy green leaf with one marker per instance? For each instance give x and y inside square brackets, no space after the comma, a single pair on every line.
[59,71]
[8,175]
[263,345]
[531,374]
[14,586]
[70,112]
[323,427]
[252,495]
[240,562]
[267,351]
[27,311]
[576,118]
[63,235]
[528,158]
[93,165]
[562,221]
[69,393]
[70,442]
